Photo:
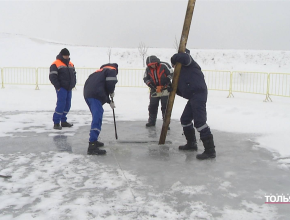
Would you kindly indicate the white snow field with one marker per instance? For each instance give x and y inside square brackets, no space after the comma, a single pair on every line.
[53,178]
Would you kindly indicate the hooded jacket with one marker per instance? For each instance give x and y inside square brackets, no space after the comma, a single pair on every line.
[191,79]
[62,73]
[101,83]
[159,76]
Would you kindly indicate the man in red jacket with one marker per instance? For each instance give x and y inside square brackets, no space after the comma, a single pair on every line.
[157,77]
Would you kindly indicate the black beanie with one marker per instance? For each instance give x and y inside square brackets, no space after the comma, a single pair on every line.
[64,52]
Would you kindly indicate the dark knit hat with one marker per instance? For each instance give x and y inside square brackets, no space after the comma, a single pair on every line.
[64,52]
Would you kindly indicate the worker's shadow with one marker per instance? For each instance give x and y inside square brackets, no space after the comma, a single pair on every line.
[61,143]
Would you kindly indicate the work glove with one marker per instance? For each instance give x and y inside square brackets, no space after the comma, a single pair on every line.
[112,95]
[152,87]
[112,104]
[173,59]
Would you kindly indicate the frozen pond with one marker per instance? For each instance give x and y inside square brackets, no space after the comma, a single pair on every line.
[52,177]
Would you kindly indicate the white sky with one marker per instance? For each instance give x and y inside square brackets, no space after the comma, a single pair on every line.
[257,25]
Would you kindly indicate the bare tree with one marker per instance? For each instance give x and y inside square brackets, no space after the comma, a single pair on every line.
[143,51]
[109,52]
[176,44]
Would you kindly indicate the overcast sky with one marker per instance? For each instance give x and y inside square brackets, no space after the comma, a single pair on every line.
[256,25]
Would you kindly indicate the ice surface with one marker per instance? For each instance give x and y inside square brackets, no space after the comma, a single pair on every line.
[53,178]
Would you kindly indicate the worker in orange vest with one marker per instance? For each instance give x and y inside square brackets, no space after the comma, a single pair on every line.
[157,77]
[63,77]
[98,90]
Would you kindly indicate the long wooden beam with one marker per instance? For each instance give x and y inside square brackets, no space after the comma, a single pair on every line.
[182,46]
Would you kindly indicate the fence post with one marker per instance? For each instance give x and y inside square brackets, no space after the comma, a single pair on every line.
[2,78]
[231,86]
[268,99]
[36,77]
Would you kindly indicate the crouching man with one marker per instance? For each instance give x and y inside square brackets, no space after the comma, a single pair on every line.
[157,77]
[98,87]
[192,86]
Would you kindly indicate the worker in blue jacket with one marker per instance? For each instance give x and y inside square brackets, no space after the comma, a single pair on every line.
[63,77]
[98,87]
[192,86]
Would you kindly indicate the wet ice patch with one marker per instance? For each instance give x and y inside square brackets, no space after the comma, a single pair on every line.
[20,160]
[198,211]
[56,184]
[260,194]
[229,174]
[63,134]
[250,211]
[52,185]
[189,190]
[59,185]
[225,185]
[17,123]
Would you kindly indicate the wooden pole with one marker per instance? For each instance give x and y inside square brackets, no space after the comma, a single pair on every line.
[182,46]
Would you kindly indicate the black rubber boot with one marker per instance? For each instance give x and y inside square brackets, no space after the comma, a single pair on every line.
[191,141]
[57,127]
[151,120]
[209,148]
[66,124]
[94,149]
[99,144]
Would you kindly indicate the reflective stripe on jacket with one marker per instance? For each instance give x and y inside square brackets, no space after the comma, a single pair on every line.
[101,83]
[62,74]
[157,76]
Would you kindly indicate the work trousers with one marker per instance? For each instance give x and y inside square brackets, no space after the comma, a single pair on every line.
[97,111]
[154,104]
[195,110]
[63,105]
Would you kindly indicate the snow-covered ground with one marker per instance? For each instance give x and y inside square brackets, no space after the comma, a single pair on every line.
[20,51]
[22,108]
